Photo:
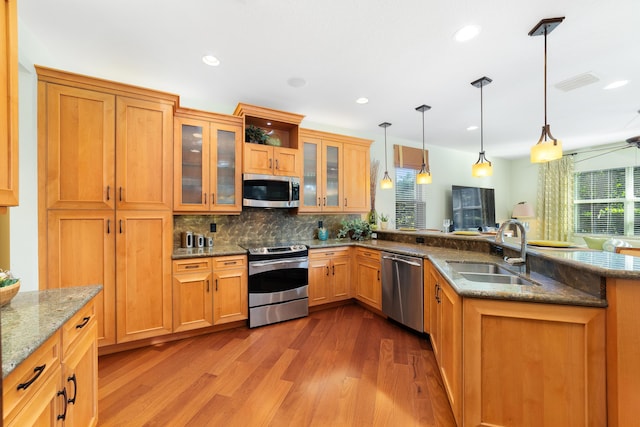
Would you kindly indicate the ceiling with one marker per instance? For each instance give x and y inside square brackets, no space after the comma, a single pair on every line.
[398,54]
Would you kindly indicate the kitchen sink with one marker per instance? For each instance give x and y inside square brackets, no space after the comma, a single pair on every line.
[477,267]
[486,273]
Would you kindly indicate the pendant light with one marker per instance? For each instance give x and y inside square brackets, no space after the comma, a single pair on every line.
[483,166]
[424,176]
[386,182]
[546,149]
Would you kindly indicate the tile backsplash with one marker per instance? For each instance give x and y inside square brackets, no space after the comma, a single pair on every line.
[255,224]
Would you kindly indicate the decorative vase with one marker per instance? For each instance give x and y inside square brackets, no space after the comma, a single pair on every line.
[383,225]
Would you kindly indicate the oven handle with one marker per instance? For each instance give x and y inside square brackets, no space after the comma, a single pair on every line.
[278,262]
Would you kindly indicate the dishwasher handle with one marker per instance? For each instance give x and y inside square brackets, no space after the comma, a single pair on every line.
[392,258]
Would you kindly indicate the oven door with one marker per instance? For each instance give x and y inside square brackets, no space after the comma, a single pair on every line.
[273,281]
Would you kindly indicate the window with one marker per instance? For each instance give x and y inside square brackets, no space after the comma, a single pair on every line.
[410,200]
[608,202]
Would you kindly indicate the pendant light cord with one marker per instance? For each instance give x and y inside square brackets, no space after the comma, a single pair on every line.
[424,158]
[385,150]
[481,120]
[545,84]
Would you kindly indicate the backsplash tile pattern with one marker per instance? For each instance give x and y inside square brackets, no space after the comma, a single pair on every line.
[255,224]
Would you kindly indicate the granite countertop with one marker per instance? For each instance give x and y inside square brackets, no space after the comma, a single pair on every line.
[34,316]
[216,250]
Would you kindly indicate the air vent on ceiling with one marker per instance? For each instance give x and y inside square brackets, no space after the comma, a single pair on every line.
[577,81]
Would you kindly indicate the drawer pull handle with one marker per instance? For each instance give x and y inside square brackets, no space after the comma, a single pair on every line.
[63,393]
[75,389]
[216,285]
[108,226]
[327,270]
[207,285]
[230,262]
[108,192]
[120,193]
[191,266]
[38,370]
[85,320]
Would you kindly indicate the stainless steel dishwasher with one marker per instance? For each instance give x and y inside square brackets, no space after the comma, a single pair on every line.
[402,290]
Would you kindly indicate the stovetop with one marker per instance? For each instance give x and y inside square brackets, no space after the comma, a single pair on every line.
[273,248]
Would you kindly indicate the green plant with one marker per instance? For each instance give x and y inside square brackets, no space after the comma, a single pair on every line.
[7,279]
[357,229]
[255,134]
[384,217]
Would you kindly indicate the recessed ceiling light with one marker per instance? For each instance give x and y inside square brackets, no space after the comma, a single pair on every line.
[466,33]
[472,127]
[297,82]
[616,84]
[362,100]
[211,60]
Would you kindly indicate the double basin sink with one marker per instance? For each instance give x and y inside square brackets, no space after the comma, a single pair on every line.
[487,273]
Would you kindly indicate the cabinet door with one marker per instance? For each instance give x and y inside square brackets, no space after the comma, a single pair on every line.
[434,321]
[286,161]
[192,300]
[225,172]
[258,158]
[341,275]
[332,189]
[319,281]
[80,140]
[143,274]
[80,375]
[44,407]
[9,107]
[368,286]
[356,178]
[191,169]
[81,251]
[310,200]
[450,345]
[144,154]
[230,298]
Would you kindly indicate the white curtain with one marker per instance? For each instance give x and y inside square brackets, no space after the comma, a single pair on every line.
[555,199]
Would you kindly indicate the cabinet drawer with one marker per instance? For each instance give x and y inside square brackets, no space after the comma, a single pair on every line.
[24,382]
[75,327]
[328,252]
[372,254]
[194,264]
[233,261]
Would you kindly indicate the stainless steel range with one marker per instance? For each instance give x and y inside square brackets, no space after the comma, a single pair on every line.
[278,283]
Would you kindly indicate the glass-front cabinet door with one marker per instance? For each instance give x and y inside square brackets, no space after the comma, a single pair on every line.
[311,200]
[331,164]
[191,159]
[226,171]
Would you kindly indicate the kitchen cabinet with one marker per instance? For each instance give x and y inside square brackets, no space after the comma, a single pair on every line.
[446,337]
[554,353]
[623,351]
[329,275]
[144,243]
[367,277]
[106,167]
[208,156]
[335,173]
[230,289]
[192,294]
[267,160]
[9,108]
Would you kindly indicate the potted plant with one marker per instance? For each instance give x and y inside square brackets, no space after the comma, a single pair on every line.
[255,135]
[356,229]
[384,221]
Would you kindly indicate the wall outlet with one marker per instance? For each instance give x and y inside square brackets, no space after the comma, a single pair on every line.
[212,227]
[419,239]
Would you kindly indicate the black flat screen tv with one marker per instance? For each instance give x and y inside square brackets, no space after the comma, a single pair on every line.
[474,208]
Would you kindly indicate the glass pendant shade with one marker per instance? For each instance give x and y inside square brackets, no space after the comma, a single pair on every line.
[482,167]
[424,176]
[386,183]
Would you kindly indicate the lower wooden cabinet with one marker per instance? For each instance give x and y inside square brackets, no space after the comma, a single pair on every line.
[58,383]
[230,293]
[329,275]
[368,277]
[533,364]
[192,294]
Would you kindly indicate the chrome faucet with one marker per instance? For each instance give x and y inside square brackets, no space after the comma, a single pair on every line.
[522,260]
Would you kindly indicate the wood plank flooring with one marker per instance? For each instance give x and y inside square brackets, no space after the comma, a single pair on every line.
[342,366]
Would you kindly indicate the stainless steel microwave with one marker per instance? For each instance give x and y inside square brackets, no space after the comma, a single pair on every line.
[270,191]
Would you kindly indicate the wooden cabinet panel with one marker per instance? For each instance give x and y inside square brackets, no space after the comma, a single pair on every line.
[319,281]
[286,161]
[81,251]
[545,362]
[143,274]
[329,275]
[341,272]
[357,188]
[192,294]
[9,106]
[368,284]
[144,154]
[449,324]
[230,298]
[43,409]
[269,160]
[79,131]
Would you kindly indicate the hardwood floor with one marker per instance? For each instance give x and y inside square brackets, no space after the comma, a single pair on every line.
[338,367]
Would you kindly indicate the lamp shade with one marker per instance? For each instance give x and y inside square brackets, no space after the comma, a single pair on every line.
[479,170]
[545,151]
[523,210]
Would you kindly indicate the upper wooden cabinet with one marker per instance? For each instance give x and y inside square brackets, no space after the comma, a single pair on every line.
[9,105]
[335,173]
[207,156]
[281,155]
